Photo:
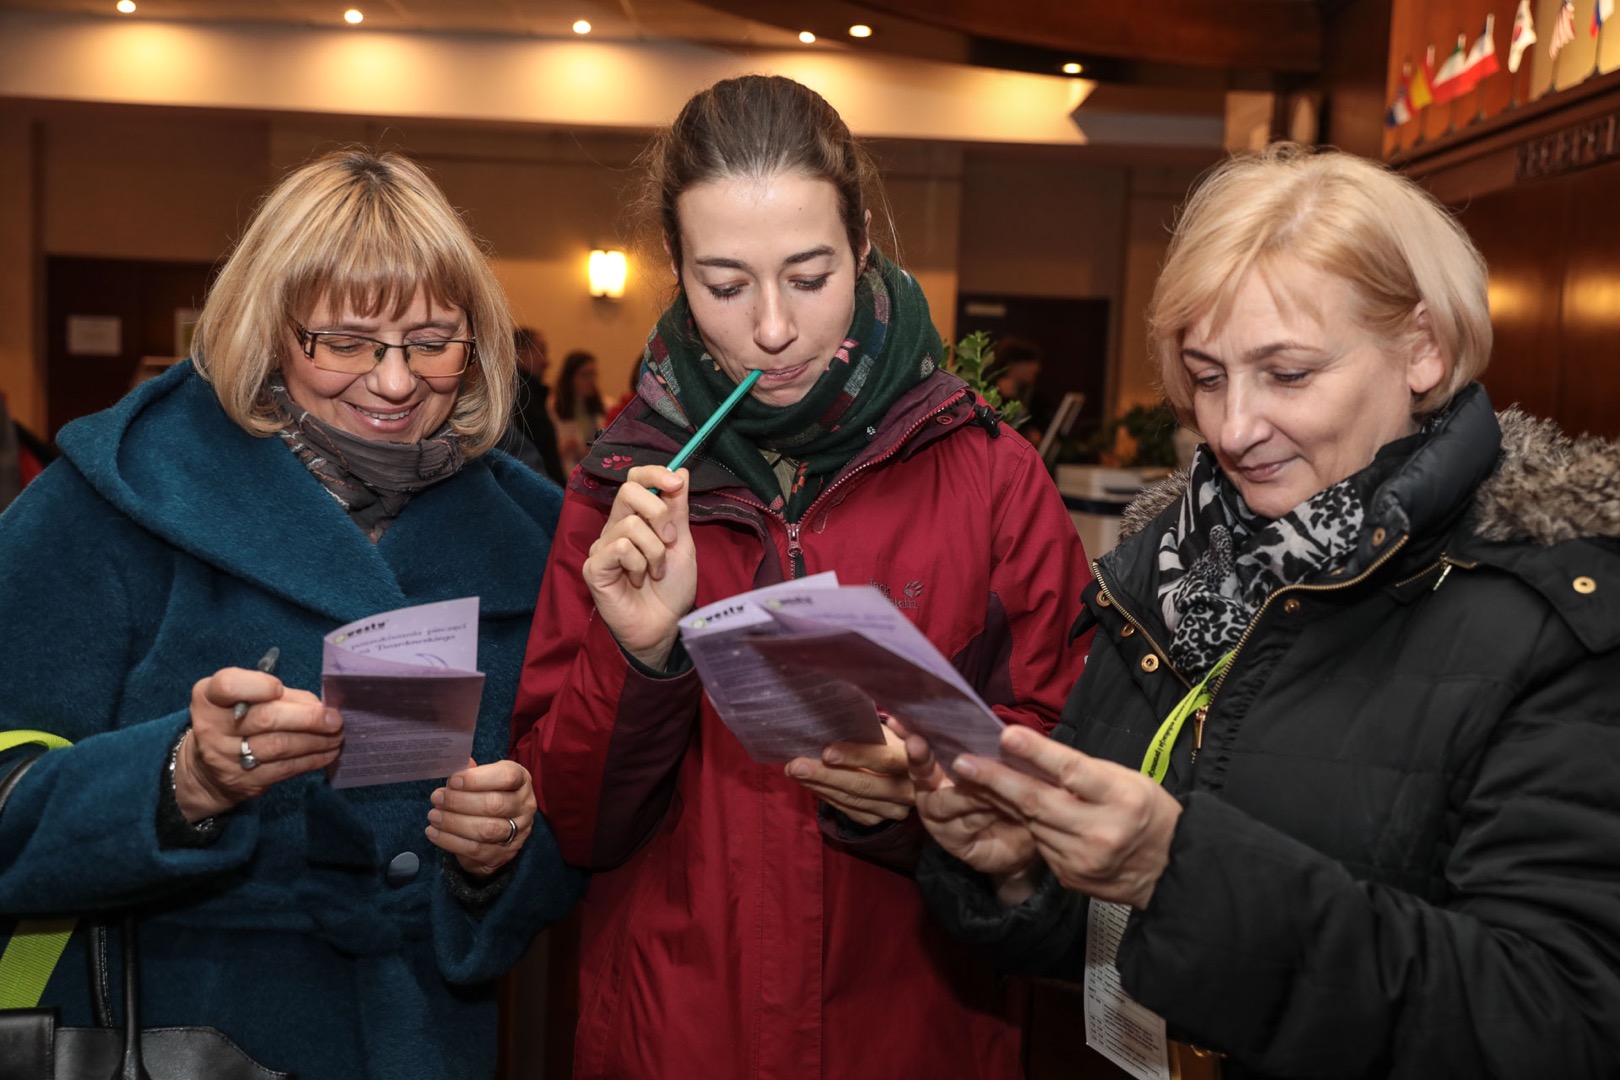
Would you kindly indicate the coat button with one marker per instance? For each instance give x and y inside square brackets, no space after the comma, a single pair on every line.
[1379,536]
[1127,630]
[1291,605]
[1150,663]
[402,869]
[1584,585]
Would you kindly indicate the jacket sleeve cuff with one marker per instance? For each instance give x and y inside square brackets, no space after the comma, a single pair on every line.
[678,664]
[896,845]
[480,932]
[1045,935]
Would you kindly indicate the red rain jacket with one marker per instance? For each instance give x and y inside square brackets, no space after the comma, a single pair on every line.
[731,929]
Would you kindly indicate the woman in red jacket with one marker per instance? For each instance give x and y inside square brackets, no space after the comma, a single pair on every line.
[746,920]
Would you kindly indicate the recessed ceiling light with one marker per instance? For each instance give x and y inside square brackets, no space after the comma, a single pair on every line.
[807,37]
[860,30]
[1072,68]
[582,27]
[127,6]
[354,16]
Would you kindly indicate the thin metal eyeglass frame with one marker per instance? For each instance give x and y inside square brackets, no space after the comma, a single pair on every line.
[308,339]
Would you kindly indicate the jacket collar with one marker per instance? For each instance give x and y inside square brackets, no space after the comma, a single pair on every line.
[1542,486]
[1501,489]
[934,408]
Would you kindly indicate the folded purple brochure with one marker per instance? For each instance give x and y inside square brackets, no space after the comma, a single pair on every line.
[795,666]
[407,684]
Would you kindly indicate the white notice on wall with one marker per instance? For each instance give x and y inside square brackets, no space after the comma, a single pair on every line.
[95,335]
[1117,1027]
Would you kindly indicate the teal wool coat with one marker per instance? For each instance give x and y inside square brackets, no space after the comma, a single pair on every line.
[168,544]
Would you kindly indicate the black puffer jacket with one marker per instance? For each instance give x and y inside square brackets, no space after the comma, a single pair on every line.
[1400,851]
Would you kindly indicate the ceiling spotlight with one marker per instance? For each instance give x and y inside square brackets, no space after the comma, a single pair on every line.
[807,37]
[860,30]
[582,27]
[354,16]
[126,6]
[1072,68]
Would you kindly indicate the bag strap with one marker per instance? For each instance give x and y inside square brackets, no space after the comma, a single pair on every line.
[36,944]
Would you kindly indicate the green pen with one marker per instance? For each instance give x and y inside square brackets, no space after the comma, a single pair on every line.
[703,432]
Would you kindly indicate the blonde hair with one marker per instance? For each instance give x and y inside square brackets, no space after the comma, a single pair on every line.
[1388,239]
[364,231]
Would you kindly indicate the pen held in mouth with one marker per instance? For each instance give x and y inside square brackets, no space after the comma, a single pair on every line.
[702,433]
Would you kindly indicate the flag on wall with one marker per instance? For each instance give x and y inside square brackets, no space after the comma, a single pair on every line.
[1448,81]
[1563,30]
[1482,62]
[1524,35]
[1602,12]
[1401,111]
[1418,94]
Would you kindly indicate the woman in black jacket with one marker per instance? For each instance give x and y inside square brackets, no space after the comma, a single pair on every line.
[1343,763]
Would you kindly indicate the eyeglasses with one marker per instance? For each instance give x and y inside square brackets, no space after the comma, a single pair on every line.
[356,354]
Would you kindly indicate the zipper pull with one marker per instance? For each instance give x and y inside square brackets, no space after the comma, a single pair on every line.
[795,552]
[1198,729]
[1441,580]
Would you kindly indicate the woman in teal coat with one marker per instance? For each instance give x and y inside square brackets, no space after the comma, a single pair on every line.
[322,460]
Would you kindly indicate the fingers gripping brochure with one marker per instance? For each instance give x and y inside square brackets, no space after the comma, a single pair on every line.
[407,684]
[797,665]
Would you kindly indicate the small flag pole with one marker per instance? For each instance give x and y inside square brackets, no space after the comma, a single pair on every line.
[1597,46]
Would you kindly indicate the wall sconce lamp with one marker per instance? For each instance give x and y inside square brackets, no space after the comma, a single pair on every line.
[607,271]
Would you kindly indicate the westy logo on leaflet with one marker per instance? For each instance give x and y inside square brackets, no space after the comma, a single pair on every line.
[910,594]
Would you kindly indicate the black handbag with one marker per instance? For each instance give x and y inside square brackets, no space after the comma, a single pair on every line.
[35,1046]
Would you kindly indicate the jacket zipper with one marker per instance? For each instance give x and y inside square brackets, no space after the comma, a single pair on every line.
[795,552]
[795,549]
[1254,622]
[1203,713]
[1446,563]
[1113,601]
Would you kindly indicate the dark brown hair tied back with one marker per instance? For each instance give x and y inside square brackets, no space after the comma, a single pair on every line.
[754,127]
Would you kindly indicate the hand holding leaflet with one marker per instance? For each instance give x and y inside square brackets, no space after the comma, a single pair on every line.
[804,663]
[776,715]
[408,686]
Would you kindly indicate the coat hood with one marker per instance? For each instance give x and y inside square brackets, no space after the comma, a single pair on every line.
[169,458]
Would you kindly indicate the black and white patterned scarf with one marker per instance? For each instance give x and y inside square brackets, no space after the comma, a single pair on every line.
[1220,560]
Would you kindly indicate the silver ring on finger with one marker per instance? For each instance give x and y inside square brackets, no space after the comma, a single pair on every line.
[511,832]
[247,760]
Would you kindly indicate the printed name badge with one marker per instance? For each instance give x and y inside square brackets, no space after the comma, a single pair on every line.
[1126,1033]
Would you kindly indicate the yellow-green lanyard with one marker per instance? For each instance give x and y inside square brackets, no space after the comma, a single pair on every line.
[36,944]
[1156,762]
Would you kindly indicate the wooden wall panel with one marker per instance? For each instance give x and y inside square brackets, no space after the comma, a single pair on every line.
[1513,230]
[1589,386]
[1354,39]
[1533,186]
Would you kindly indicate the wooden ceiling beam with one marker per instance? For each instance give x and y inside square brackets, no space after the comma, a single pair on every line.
[1251,36]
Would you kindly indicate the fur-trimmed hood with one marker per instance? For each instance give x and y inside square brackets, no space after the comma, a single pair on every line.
[1547,487]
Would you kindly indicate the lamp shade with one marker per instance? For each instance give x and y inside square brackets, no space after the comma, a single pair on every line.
[607,271]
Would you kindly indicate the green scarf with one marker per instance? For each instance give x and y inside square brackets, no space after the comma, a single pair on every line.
[891,347]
